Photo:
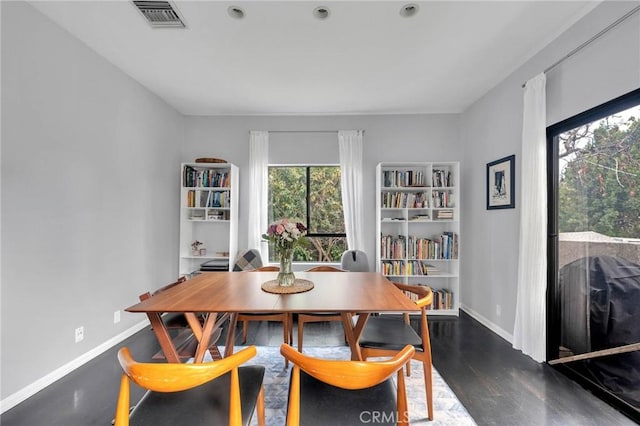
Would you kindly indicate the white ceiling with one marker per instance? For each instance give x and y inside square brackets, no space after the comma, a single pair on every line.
[364,59]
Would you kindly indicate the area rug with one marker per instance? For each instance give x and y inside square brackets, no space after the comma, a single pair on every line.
[447,408]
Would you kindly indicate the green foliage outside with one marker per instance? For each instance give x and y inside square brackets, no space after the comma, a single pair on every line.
[287,199]
[599,188]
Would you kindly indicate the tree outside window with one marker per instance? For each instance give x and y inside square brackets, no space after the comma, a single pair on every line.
[599,187]
[311,195]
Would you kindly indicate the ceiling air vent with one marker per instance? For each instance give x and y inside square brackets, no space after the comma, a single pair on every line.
[160,14]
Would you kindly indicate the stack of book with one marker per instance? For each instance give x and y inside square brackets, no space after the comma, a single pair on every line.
[444,214]
[215,265]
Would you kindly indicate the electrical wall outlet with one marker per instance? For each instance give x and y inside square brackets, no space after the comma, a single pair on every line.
[79,334]
[116,317]
[498,310]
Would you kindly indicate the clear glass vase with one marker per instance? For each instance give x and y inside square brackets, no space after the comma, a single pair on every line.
[285,276]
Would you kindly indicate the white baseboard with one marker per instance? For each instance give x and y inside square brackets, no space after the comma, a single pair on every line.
[490,325]
[30,390]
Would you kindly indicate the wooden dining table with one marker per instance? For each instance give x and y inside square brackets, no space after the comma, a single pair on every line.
[217,294]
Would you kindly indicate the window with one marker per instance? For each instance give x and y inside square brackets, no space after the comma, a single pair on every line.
[594,253]
[311,195]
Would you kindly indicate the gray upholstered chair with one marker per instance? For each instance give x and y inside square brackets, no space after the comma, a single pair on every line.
[354,261]
[247,260]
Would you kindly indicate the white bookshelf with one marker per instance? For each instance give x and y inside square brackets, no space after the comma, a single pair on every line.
[208,213]
[418,228]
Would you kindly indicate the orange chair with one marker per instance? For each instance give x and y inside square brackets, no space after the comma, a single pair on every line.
[212,393]
[384,336]
[304,318]
[344,392]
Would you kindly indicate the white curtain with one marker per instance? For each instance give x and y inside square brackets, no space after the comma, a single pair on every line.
[529,334]
[258,182]
[350,145]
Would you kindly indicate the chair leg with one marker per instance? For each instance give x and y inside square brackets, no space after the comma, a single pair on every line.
[245,328]
[428,387]
[286,326]
[300,333]
[260,407]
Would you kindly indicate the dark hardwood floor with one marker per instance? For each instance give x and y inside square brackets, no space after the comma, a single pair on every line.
[496,384]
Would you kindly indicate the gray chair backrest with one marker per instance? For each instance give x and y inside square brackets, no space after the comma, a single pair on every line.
[354,261]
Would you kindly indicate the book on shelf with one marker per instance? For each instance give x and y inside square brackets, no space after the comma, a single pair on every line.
[441,199]
[444,246]
[403,178]
[420,218]
[442,299]
[416,267]
[431,270]
[393,267]
[449,245]
[392,247]
[393,219]
[403,200]
[441,178]
[206,178]
[215,215]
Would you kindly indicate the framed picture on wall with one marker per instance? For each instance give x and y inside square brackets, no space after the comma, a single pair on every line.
[501,189]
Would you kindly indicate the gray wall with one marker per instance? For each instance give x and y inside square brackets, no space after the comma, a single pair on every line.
[492,127]
[386,138]
[89,196]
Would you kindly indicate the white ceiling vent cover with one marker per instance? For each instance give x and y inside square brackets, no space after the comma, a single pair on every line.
[159,14]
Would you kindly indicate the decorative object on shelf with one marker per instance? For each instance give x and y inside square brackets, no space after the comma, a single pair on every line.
[210,160]
[501,190]
[195,248]
[285,236]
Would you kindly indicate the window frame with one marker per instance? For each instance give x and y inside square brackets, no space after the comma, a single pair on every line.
[553,340]
[308,168]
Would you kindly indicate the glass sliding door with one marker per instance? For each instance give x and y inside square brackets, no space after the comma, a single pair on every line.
[594,297]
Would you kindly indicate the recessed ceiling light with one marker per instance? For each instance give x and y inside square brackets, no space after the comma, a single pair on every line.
[408,10]
[321,12]
[235,12]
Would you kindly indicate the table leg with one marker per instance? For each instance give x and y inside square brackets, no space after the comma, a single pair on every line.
[164,339]
[231,334]
[353,332]
[207,329]
[194,324]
